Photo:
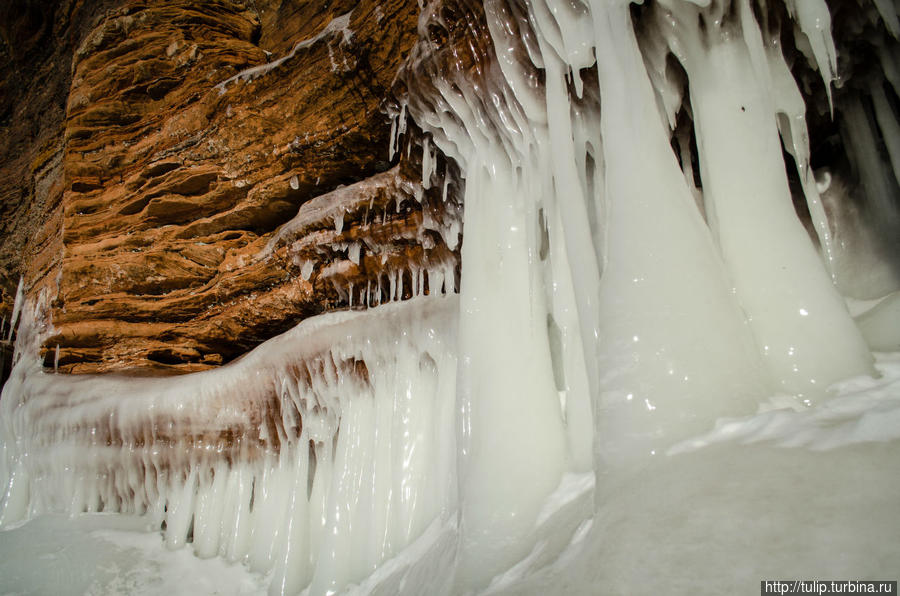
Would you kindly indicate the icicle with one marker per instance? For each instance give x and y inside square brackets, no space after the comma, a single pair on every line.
[890,128]
[339,290]
[791,113]
[888,11]
[890,64]
[180,513]
[56,359]
[392,147]
[17,308]
[292,571]
[863,152]
[798,319]
[210,507]
[815,22]
[403,114]
[427,165]
[860,134]
[306,270]
[658,360]
[353,252]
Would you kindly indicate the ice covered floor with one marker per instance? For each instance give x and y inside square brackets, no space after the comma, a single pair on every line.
[800,493]
[108,554]
[728,509]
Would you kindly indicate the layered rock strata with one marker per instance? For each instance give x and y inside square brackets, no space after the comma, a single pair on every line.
[191,133]
[151,151]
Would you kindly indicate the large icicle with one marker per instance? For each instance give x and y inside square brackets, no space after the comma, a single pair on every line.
[666,375]
[799,320]
[513,445]
[17,308]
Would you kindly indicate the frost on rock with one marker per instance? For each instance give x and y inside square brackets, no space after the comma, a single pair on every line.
[337,26]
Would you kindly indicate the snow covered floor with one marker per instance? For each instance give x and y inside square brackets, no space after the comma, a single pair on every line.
[717,517]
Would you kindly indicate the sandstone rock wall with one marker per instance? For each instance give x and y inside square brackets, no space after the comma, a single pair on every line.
[37,41]
[188,132]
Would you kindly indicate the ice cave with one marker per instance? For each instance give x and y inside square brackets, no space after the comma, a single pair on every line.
[616,309]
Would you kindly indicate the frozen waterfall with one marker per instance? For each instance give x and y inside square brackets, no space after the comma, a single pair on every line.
[651,378]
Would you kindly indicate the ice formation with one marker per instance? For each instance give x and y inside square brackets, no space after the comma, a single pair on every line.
[637,300]
[335,26]
[272,460]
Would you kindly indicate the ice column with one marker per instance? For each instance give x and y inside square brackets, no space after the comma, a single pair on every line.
[798,318]
[513,441]
[677,353]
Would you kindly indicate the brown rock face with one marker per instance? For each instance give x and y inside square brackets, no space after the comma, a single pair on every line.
[37,41]
[191,131]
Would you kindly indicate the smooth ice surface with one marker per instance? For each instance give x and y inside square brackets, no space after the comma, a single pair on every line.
[810,492]
[719,520]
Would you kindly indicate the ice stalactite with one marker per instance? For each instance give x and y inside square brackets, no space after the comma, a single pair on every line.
[398,236]
[314,458]
[791,304]
[683,315]
[861,189]
[660,380]
[513,442]
[17,308]
[881,212]
[527,298]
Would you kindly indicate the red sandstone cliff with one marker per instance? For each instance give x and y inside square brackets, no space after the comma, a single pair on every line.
[143,184]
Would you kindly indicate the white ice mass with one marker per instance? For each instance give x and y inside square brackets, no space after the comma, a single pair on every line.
[647,381]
